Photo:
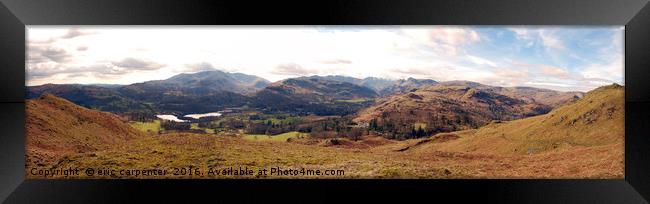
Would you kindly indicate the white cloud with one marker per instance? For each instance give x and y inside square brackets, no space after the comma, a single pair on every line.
[521,33]
[293,69]
[552,71]
[125,55]
[546,36]
[549,84]
[480,61]
[511,73]
[444,39]
[549,40]
[612,71]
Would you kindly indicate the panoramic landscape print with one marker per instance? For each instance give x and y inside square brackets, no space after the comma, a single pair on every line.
[321,102]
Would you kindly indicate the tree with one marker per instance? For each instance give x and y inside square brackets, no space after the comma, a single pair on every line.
[420,132]
[355,133]
[373,124]
[413,132]
[171,125]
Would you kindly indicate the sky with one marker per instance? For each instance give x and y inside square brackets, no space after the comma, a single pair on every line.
[565,58]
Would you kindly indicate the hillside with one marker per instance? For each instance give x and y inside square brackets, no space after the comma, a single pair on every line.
[583,139]
[374,83]
[595,120]
[451,106]
[198,92]
[314,95]
[322,95]
[56,127]
[543,96]
[184,93]
[91,96]
[322,88]
[406,85]
[200,83]
[382,86]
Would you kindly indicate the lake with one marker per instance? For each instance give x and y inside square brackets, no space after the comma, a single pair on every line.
[170,117]
[195,116]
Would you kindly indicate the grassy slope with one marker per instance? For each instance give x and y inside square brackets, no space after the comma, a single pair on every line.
[377,160]
[280,137]
[56,127]
[587,152]
[153,126]
[595,120]
[583,138]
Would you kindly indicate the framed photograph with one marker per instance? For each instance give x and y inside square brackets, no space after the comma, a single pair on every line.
[506,101]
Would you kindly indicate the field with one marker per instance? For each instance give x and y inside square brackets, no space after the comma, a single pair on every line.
[368,158]
[280,138]
[153,126]
[195,126]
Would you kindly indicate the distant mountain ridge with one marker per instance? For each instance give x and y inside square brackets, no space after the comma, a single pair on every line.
[376,84]
[408,84]
[90,96]
[314,94]
[215,90]
[196,92]
[206,81]
[538,95]
[382,86]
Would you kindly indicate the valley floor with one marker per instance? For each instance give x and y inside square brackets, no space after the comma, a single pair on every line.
[371,157]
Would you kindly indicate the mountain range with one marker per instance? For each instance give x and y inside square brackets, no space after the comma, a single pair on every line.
[209,91]
[579,139]
[459,105]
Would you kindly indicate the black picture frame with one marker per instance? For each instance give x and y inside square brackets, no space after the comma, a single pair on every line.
[634,14]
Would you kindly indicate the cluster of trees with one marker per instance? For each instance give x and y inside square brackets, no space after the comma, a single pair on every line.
[400,131]
[328,128]
[171,125]
[394,128]
[140,116]
[268,128]
[271,127]
[332,127]
[219,126]
[353,133]
[206,119]
[231,123]
[391,130]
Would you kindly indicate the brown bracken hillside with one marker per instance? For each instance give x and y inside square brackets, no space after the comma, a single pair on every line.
[595,120]
[57,127]
[461,105]
[589,132]
[580,139]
